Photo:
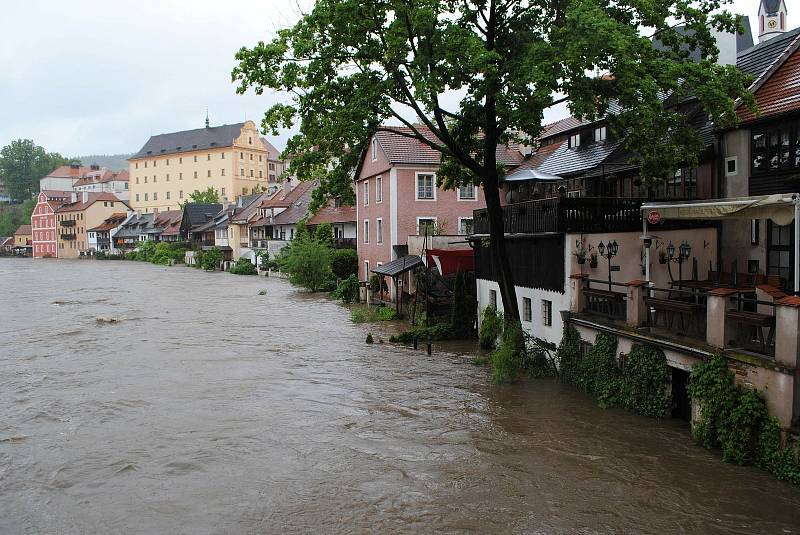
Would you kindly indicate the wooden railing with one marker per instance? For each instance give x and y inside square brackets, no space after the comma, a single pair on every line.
[566,214]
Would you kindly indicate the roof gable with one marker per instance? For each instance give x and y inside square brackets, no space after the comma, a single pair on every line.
[778,90]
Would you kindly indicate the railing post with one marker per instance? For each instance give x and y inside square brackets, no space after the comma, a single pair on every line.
[718,328]
[577,283]
[787,331]
[636,310]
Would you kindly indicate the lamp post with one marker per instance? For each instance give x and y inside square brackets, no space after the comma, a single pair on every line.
[684,250]
[608,251]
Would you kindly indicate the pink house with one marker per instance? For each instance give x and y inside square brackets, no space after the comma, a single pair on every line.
[43,222]
[396,197]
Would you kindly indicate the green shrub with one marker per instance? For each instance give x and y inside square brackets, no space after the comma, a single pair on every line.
[568,356]
[645,377]
[507,359]
[243,266]
[130,255]
[308,263]
[344,262]
[441,331]
[324,234]
[211,259]
[712,385]
[348,289]
[738,434]
[538,359]
[386,313]
[771,455]
[600,375]
[491,327]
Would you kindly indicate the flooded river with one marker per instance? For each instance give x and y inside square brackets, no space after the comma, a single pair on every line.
[143,399]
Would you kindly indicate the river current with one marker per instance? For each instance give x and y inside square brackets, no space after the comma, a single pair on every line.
[144,399]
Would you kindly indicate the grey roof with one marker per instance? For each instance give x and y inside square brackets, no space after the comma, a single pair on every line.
[771,6]
[567,161]
[757,60]
[299,208]
[136,225]
[188,140]
[398,266]
[199,213]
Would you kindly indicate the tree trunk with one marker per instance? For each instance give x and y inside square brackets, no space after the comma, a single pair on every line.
[497,248]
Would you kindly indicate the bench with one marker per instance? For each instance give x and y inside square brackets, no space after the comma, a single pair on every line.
[670,308]
[757,322]
[605,302]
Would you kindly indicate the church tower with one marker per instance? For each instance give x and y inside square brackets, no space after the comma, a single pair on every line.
[771,19]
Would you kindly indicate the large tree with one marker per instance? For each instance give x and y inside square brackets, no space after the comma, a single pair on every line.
[465,76]
[23,163]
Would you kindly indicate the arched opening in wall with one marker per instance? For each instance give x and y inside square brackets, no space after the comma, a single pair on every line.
[681,403]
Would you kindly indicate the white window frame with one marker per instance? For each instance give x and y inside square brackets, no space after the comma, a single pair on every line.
[379,230]
[374,149]
[366,231]
[366,193]
[416,186]
[547,313]
[735,161]
[460,219]
[575,141]
[378,189]
[366,270]
[600,134]
[432,218]
[474,197]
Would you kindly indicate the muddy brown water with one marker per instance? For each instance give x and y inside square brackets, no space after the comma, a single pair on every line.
[143,399]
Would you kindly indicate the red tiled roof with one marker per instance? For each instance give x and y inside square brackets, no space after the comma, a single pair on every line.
[111,222]
[780,93]
[23,230]
[65,171]
[170,220]
[53,194]
[333,214]
[91,199]
[402,149]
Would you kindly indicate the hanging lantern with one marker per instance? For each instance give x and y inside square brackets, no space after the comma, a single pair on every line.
[685,250]
[670,250]
[613,248]
[601,248]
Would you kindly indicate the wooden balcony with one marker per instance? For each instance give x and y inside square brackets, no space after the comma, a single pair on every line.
[566,214]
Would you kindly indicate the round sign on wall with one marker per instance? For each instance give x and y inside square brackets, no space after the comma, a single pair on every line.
[654,217]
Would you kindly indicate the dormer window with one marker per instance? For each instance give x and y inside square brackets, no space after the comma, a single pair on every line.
[600,134]
[574,141]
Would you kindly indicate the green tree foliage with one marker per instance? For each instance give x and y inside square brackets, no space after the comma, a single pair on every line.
[308,262]
[15,215]
[324,234]
[211,259]
[713,387]
[207,196]
[22,164]
[353,64]
[507,359]
[345,263]
[645,379]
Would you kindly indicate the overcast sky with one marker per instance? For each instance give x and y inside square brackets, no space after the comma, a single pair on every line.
[99,77]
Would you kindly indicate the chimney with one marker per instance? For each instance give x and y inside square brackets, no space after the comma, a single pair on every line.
[84,196]
[73,197]
[95,167]
[74,169]
[287,187]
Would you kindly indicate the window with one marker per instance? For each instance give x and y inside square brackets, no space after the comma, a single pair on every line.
[378,189]
[754,231]
[222,156]
[137,179]
[467,193]
[379,230]
[249,141]
[776,148]
[180,160]
[547,312]
[426,187]
[195,157]
[155,162]
[167,177]
[145,165]
[180,194]
[209,173]
[426,225]
[145,180]
[145,196]
[137,165]
[167,161]
[374,149]
[223,192]
[730,166]
[271,166]
[574,141]
[366,270]
[241,171]
[222,172]
[260,158]
[493,298]
[195,174]
[208,157]
[465,226]
[155,195]
[366,193]
[600,134]
[251,173]
[526,309]
[260,174]
[241,156]
[154,179]
[251,156]
[779,251]
[366,231]
[167,195]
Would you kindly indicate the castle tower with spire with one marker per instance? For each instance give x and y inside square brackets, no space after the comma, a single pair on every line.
[771,19]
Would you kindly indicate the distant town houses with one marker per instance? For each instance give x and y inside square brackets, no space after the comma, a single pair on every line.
[232,159]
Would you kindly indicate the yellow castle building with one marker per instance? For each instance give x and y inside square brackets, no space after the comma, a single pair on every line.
[233,159]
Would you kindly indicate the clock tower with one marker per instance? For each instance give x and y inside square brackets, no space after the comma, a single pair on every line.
[771,19]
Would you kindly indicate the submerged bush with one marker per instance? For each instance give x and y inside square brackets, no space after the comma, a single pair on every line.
[344,262]
[440,331]
[508,358]
[348,289]
[243,266]
[491,327]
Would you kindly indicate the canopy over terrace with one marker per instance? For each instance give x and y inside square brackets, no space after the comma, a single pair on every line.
[781,209]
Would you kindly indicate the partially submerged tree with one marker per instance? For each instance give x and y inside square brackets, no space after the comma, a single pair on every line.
[467,76]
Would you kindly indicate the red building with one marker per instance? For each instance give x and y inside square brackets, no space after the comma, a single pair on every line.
[43,222]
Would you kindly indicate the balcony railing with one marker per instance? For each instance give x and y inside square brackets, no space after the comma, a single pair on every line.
[68,223]
[68,236]
[566,214]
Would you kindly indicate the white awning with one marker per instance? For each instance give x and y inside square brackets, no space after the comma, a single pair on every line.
[779,208]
